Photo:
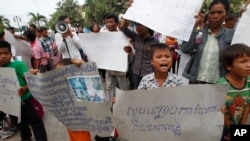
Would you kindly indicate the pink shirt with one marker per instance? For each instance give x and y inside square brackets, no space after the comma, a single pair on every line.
[38,53]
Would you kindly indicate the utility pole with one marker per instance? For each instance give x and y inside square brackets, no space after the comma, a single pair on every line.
[18,19]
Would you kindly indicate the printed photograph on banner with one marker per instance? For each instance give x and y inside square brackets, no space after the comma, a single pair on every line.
[87,88]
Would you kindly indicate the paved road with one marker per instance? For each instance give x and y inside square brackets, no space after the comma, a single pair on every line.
[56,131]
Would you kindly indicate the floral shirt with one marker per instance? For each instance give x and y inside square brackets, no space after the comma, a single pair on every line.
[149,81]
[236,100]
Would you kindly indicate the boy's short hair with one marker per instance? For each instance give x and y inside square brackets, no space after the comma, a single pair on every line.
[5,44]
[112,16]
[31,35]
[229,54]
[33,25]
[154,47]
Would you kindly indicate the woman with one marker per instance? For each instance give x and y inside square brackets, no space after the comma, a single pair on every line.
[204,65]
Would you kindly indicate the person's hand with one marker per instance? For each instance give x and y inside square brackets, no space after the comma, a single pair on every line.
[22,90]
[34,71]
[68,33]
[129,3]
[127,49]
[223,109]
[113,100]
[77,62]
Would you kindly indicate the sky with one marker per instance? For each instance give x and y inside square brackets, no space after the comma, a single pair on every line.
[12,8]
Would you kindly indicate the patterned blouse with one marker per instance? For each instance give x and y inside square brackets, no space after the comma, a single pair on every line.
[149,81]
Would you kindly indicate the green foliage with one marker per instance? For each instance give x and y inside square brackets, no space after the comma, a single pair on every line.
[71,8]
[37,18]
[95,9]
[4,23]
[235,5]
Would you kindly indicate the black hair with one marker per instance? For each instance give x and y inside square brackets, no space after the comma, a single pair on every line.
[154,47]
[112,16]
[229,54]
[202,11]
[65,61]
[5,44]
[33,25]
[231,17]
[150,31]
[43,28]
[2,34]
[79,25]
[205,18]
[30,35]
[224,2]
[92,26]
[105,15]
[11,28]
[62,18]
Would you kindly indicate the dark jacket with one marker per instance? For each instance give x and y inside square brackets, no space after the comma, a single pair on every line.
[224,38]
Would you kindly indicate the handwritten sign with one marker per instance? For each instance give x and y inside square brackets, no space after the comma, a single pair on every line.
[106,49]
[242,31]
[10,102]
[60,92]
[22,47]
[186,113]
[170,17]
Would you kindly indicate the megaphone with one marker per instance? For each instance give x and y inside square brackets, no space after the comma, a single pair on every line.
[61,27]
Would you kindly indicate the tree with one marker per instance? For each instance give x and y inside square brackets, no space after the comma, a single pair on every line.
[95,9]
[70,8]
[4,22]
[235,5]
[37,18]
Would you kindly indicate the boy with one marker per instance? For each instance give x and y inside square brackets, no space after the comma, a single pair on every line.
[161,59]
[236,60]
[28,113]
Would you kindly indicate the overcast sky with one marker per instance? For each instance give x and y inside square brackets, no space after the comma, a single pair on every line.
[21,8]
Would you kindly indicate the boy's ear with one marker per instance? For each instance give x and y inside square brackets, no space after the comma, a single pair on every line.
[228,67]
[151,60]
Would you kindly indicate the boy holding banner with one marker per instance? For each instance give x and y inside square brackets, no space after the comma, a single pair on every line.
[29,117]
[236,59]
[161,59]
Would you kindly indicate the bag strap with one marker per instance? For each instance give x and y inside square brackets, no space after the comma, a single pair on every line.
[66,46]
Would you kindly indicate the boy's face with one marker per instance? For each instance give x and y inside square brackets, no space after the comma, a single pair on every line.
[162,60]
[5,56]
[240,66]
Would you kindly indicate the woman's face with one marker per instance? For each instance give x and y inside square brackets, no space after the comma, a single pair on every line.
[216,16]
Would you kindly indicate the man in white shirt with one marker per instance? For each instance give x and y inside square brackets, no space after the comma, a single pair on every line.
[68,43]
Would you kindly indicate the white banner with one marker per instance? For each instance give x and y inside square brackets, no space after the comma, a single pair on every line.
[106,49]
[75,96]
[185,113]
[170,17]
[242,32]
[10,101]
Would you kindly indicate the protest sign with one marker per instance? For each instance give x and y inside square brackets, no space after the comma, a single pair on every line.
[23,48]
[185,113]
[242,32]
[106,49]
[74,96]
[172,18]
[10,101]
